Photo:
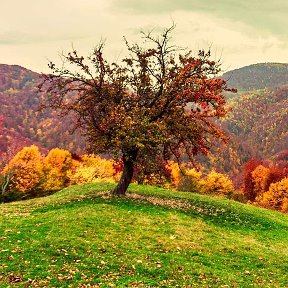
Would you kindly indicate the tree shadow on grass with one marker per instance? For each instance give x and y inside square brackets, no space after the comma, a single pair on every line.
[217,213]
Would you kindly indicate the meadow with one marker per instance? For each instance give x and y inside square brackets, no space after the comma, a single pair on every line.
[83,237]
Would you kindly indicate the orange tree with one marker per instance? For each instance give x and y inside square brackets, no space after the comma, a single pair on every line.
[160,101]
[26,169]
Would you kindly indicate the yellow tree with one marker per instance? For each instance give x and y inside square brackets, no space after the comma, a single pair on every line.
[260,178]
[175,173]
[277,196]
[190,180]
[93,168]
[57,164]
[218,184]
[26,168]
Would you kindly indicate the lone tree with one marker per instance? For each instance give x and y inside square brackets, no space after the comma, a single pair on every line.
[157,103]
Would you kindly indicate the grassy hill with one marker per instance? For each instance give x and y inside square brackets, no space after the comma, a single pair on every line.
[82,237]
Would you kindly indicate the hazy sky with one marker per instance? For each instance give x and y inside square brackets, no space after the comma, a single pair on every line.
[239,32]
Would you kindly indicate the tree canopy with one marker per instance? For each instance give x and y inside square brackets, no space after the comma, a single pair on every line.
[159,102]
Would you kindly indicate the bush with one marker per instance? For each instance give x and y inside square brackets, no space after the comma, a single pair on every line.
[25,169]
[11,195]
[237,196]
[57,165]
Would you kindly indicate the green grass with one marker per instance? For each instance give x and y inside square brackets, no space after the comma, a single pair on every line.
[81,237]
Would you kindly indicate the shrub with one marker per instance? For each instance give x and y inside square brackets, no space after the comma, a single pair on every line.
[190,181]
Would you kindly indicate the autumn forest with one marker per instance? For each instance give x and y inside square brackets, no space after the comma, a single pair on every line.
[252,166]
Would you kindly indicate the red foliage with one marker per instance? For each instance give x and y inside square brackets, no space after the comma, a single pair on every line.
[248,185]
[278,170]
[277,174]
[118,166]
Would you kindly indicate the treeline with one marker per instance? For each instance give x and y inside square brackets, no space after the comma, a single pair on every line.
[29,174]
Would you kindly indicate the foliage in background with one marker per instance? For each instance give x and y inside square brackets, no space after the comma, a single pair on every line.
[94,168]
[257,125]
[190,180]
[23,123]
[218,184]
[26,168]
[277,196]
[57,165]
[265,183]
[29,174]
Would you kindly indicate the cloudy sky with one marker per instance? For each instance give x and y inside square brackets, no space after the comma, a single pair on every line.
[239,32]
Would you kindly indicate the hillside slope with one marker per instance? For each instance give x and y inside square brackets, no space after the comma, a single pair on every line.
[154,237]
[258,76]
[22,121]
[257,122]
[261,118]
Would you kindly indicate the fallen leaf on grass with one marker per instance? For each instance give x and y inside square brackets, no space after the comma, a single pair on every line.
[14,278]
[158,264]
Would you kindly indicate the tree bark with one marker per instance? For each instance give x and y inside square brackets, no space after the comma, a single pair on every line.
[127,173]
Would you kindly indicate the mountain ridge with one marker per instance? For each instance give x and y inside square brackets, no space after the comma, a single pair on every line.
[21,119]
[258,76]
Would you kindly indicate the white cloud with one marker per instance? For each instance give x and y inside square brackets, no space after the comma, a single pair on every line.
[240,33]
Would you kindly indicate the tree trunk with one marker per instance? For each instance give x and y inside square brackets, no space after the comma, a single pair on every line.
[127,173]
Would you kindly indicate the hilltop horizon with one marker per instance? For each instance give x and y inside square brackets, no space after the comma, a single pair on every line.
[223,71]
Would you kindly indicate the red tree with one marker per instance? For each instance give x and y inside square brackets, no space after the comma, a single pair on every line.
[248,183]
[156,104]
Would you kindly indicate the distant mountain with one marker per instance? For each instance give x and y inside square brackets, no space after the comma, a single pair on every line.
[259,120]
[258,76]
[21,119]
[16,77]
[257,124]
